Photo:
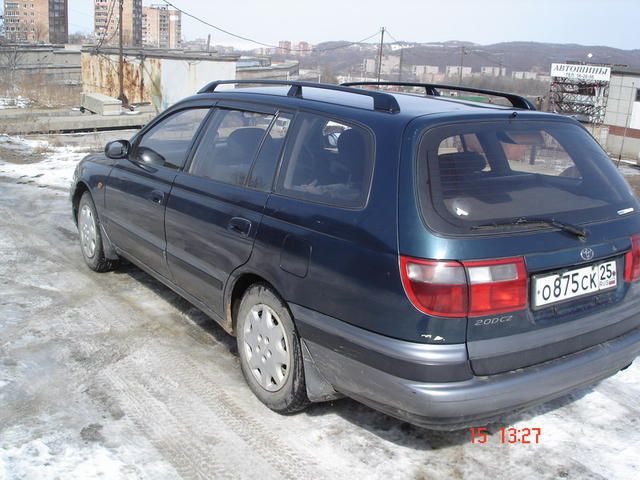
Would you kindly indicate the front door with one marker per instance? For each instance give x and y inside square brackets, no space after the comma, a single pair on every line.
[138,187]
[216,204]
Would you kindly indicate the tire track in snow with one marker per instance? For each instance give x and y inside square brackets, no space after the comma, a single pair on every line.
[177,444]
[181,370]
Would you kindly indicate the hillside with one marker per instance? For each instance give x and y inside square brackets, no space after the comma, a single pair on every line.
[527,56]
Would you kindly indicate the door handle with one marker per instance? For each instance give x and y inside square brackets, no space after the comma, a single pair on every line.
[239,225]
[157,196]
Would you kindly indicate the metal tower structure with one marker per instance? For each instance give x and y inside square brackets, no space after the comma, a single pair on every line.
[581,90]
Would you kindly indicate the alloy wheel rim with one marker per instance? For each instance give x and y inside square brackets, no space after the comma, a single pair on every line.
[266,348]
[87,227]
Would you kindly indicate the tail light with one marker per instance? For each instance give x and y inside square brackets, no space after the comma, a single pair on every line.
[460,289]
[632,261]
[496,286]
[436,288]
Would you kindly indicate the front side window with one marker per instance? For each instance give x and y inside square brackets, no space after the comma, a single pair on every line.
[327,161]
[229,145]
[478,175]
[167,143]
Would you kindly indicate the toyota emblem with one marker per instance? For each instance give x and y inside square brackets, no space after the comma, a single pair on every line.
[586,254]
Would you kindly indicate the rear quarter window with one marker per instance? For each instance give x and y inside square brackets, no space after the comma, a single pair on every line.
[327,161]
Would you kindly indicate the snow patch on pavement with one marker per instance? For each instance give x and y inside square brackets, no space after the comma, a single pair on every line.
[50,165]
[47,458]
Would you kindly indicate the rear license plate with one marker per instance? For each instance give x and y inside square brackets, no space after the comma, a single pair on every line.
[556,288]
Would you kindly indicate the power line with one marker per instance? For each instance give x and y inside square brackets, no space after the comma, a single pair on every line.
[257,42]
[391,36]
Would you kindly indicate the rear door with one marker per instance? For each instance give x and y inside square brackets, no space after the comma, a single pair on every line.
[138,187]
[217,203]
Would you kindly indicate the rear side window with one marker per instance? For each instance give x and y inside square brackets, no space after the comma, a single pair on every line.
[477,175]
[229,145]
[327,161]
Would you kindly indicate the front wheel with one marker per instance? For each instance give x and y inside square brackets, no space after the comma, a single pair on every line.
[91,237]
[269,351]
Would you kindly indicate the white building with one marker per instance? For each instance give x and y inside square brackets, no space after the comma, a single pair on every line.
[454,71]
[419,70]
[390,64]
[493,71]
[520,75]
[622,115]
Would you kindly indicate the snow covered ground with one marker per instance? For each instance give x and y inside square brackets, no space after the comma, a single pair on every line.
[114,376]
[40,162]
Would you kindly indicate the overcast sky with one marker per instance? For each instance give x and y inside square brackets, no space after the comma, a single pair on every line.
[613,23]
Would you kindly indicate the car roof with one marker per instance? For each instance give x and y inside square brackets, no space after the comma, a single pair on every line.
[336,101]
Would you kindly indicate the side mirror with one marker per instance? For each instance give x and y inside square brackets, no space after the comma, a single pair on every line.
[117,149]
[150,157]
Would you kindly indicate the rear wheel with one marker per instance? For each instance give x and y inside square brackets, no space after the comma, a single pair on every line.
[269,351]
[91,237]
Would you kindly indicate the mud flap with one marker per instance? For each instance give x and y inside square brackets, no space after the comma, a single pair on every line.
[318,389]
[107,246]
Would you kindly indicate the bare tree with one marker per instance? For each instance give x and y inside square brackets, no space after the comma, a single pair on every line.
[40,32]
[10,60]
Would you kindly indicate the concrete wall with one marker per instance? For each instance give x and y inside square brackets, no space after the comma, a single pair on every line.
[622,108]
[630,151]
[180,78]
[284,71]
[42,56]
[622,94]
[161,81]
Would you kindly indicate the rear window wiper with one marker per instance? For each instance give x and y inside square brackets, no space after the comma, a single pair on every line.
[550,222]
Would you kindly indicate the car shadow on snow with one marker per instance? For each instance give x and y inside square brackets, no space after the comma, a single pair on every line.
[205,330]
[198,324]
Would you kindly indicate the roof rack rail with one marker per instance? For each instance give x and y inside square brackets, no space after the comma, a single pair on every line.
[382,101]
[431,89]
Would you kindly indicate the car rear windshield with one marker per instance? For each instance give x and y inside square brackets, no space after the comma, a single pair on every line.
[487,174]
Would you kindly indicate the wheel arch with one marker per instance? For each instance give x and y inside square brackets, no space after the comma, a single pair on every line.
[80,188]
[239,283]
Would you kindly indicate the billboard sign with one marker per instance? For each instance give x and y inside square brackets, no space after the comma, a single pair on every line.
[585,73]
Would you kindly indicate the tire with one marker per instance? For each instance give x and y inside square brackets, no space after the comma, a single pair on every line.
[269,351]
[91,237]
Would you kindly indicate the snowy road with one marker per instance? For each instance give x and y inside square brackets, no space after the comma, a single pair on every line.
[114,376]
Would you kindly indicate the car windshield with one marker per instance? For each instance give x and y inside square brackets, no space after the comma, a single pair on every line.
[500,173]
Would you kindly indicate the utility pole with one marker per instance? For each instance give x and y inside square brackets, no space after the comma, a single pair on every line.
[462,54]
[122,97]
[380,52]
[400,66]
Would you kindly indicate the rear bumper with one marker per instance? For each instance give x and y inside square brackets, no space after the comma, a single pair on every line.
[441,404]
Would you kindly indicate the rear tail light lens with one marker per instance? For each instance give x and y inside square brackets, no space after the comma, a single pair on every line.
[497,286]
[454,289]
[632,261]
[436,288]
